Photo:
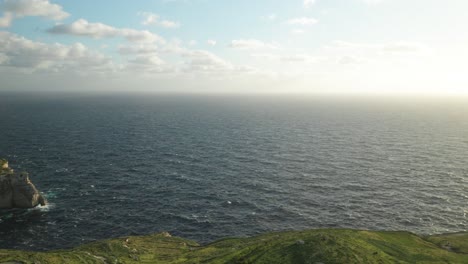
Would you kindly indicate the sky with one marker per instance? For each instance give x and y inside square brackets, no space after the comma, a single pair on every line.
[241,46]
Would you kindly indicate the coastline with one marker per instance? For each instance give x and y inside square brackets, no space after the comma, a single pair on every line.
[308,246]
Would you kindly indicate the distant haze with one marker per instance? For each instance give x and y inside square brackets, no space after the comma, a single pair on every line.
[213,46]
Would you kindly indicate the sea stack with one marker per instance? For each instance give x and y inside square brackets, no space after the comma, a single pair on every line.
[16,190]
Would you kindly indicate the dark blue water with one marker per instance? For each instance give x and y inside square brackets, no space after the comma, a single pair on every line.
[206,167]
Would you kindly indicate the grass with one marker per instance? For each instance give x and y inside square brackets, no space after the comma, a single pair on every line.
[454,242]
[311,246]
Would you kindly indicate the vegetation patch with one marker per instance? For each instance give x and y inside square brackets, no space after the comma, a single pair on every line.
[311,246]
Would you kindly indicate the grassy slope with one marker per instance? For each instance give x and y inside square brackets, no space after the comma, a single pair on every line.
[312,246]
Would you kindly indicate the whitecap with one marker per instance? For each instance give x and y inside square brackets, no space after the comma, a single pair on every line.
[43,208]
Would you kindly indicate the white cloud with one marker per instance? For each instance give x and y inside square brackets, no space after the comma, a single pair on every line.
[20,52]
[149,19]
[154,19]
[309,3]
[201,61]
[302,21]
[298,31]
[146,57]
[148,64]
[6,20]
[3,58]
[348,59]
[141,58]
[383,48]
[290,58]
[355,47]
[205,64]
[192,42]
[297,58]
[43,8]
[21,8]
[138,49]
[147,60]
[264,56]
[211,42]
[392,53]
[251,44]
[82,27]
[174,47]
[404,47]
[169,24]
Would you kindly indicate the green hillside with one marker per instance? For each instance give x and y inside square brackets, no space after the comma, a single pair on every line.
[312,246]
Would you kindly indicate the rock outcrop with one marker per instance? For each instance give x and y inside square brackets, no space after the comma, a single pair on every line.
[16,190]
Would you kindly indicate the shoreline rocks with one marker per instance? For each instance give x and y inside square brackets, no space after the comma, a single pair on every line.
[16,189]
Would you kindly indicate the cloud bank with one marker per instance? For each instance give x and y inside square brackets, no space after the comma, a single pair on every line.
[23,8]
[82,27]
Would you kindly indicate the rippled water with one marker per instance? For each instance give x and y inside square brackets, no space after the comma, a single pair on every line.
[210,167]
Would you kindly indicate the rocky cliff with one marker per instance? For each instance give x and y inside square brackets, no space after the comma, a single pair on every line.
[16,190]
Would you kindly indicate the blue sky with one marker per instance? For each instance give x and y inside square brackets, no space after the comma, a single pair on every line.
[321,46]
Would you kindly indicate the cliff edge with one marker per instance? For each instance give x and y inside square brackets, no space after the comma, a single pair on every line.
[16,190]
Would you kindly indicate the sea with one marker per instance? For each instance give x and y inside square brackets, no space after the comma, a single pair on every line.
[210,166]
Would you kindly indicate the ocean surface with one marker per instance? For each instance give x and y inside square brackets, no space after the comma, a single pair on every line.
[208,167]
